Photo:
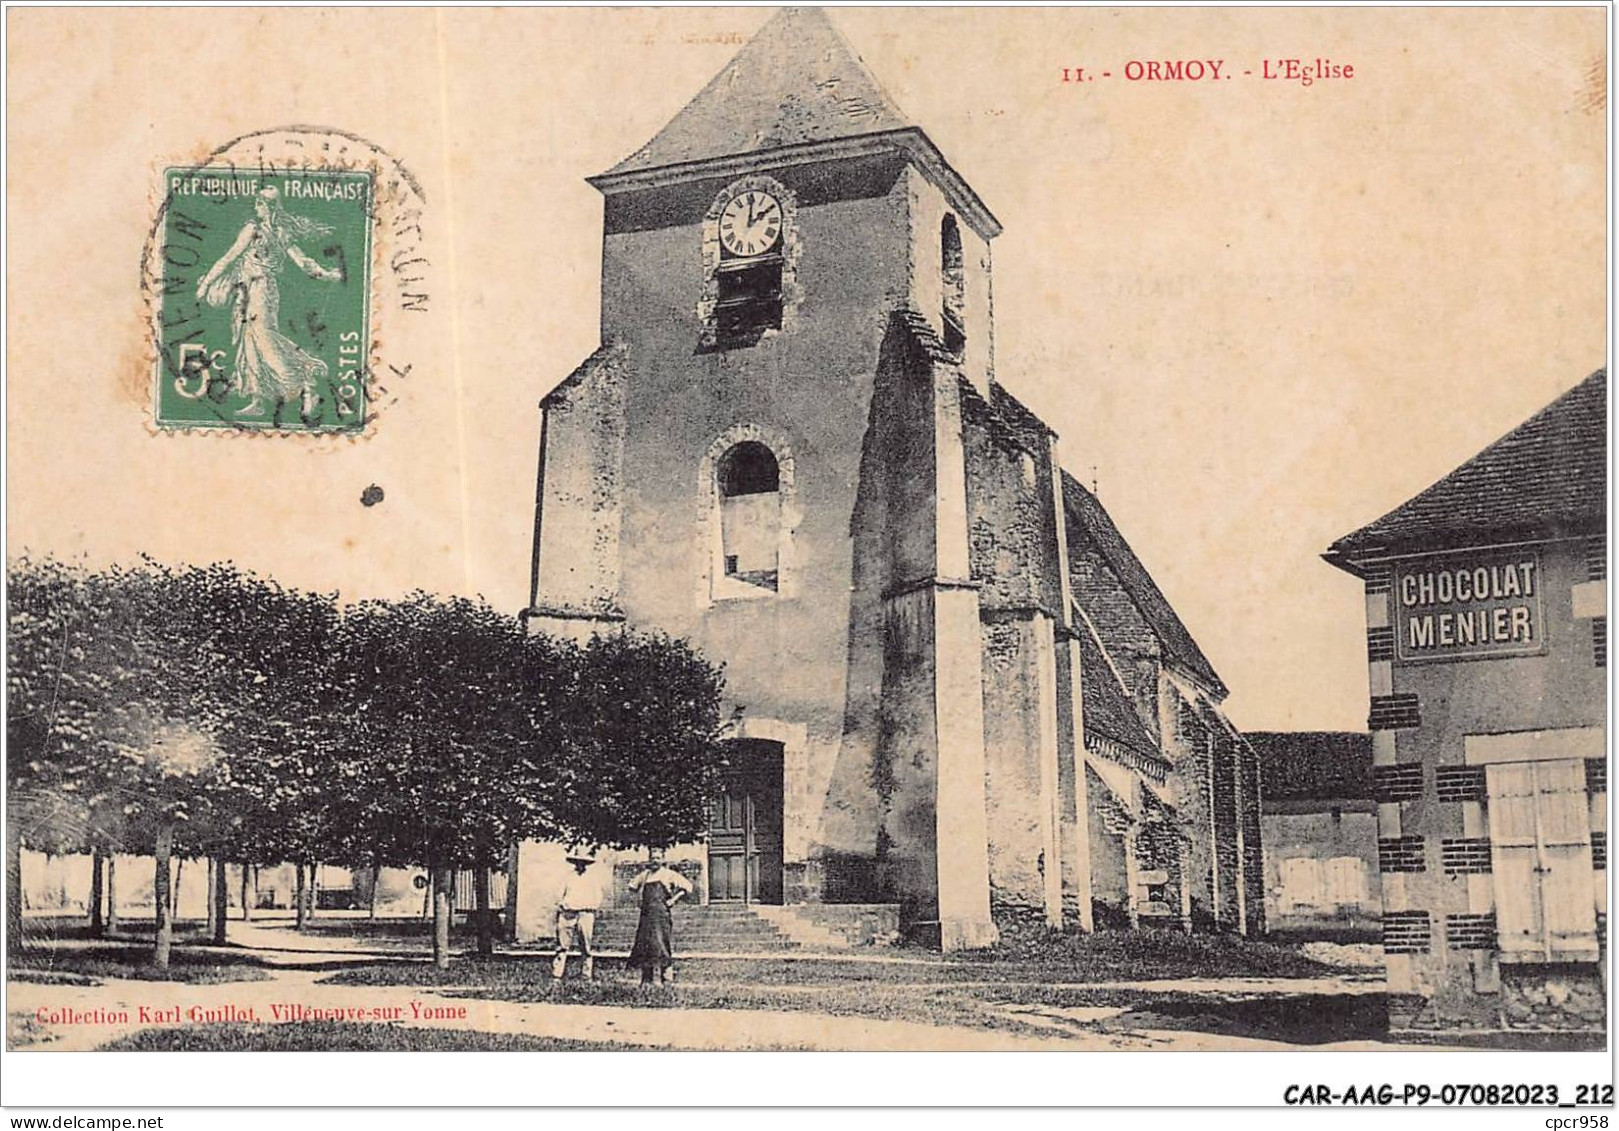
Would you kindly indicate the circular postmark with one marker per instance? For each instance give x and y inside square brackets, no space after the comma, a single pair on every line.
[270,268]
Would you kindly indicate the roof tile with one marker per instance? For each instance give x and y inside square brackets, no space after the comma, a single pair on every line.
[796,81]
[1547,477]
[1093,521]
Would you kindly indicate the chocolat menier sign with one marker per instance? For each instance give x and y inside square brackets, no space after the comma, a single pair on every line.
[1480,604]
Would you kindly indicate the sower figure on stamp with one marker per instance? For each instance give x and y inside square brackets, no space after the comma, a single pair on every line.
[268,366]
[576,914]
[661,887]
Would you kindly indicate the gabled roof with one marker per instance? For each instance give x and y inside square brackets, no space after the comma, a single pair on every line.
[1107,708]
[1086,511]
[1545,478]
[1314,765]
[796,81]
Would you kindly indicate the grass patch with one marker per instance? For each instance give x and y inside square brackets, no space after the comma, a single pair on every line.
[956,993]
[344,1036]
[23,1030]
[88,966]
[1146,955]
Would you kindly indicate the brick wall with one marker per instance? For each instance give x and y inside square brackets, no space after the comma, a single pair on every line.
[1470,931]
[1397,782]
[1401,854]
[1394,712]
[1462,856]
[1406,932]
[1459,783]
[1225,826]
[1253,849]
[1596,775]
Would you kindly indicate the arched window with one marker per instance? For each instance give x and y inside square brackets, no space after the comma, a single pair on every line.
[954,285]
[750,516]
[747,501]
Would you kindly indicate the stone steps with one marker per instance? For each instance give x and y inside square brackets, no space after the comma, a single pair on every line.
[711,929]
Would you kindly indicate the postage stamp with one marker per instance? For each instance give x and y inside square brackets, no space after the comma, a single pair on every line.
[265,299]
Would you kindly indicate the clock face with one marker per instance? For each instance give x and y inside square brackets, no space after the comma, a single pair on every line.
[751,223]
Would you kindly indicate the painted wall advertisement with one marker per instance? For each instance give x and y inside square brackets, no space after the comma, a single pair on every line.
[1483,604]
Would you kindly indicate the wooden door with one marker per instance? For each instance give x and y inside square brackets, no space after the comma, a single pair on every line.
[1540,841]
[745,829]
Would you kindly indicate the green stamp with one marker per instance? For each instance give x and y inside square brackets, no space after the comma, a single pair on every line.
[264,287]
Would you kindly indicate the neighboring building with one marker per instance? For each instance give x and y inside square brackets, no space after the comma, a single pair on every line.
[960,691]
[1320,830]
[1486,605]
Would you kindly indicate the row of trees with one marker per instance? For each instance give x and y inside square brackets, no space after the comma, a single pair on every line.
[206,711]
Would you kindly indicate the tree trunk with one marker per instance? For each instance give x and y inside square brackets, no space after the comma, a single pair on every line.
[174,888]
[208,884]
[427,893]
[98,924]
[220,899]
[14,935]
[162,895]
[247,904]
[298,897]
[509,925]
[480,894]
[376,882]
[443,891]
[112,893]
[313,889]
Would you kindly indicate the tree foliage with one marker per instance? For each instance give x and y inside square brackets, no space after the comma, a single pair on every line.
[646,725]
[213,711]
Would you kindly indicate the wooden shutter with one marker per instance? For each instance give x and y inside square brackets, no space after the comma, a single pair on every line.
[1346,881]
[1540,843]
[1301,881]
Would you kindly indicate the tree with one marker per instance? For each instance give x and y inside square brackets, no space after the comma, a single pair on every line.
[647,742]
[281,788]
[451,759]
[205,711]
[140,689]
[46,622]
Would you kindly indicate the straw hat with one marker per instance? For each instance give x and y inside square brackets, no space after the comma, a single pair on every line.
[579,854]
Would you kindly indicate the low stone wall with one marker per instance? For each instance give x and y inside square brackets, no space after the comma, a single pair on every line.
[1542,998]
[1555,998]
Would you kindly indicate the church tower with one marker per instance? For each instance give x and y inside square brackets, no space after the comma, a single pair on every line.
[766,456]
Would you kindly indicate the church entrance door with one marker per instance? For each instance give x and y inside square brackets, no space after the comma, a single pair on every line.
[745,826]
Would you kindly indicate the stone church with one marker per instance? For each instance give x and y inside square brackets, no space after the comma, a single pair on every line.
[961,696]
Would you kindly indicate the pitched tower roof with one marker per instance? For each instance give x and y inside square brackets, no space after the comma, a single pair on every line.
[796,81]
[797,91]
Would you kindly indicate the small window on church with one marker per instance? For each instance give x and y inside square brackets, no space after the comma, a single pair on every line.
[954,280]
[750,517]
[750,301]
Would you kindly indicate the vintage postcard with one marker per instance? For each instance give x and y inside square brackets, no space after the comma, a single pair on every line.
[850,529]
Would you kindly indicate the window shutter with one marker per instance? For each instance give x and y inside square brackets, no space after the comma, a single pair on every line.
[1565,847]
[1514,859]
[1301,881]
[1346,881]
[1540,847]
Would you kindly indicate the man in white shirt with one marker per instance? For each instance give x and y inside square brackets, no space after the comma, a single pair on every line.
[576,914]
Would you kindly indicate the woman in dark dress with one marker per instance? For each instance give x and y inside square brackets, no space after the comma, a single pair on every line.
[661,887]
